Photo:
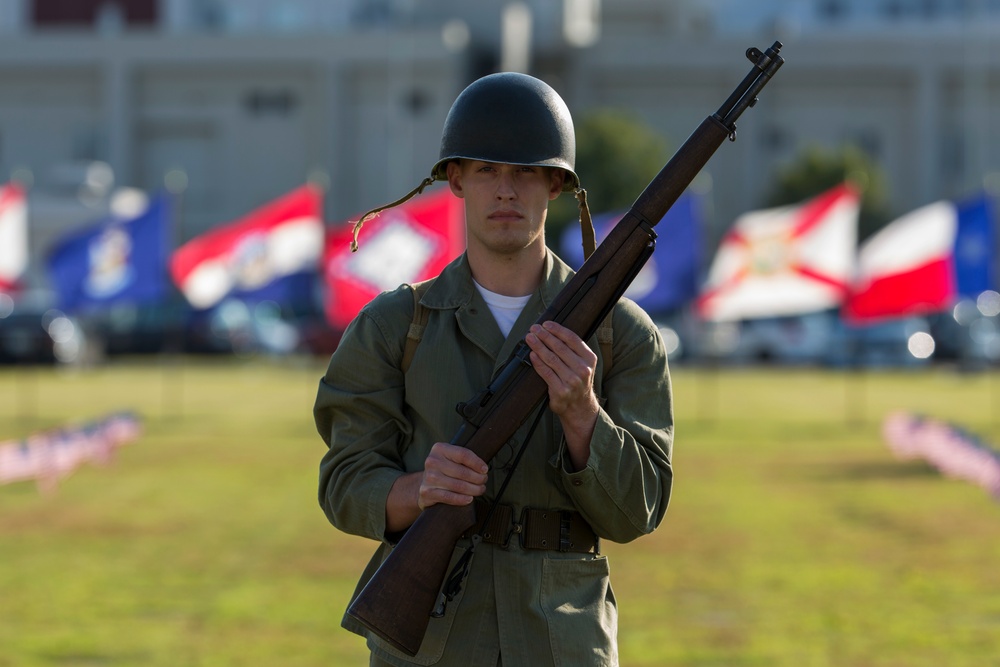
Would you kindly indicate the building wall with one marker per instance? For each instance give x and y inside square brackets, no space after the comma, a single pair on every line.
[359,101]
[246,119]
[919,104]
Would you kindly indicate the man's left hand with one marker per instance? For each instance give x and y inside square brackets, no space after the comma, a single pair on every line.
[567,365]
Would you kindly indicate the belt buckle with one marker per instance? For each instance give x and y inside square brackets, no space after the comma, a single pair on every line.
[565,518]
[516,527]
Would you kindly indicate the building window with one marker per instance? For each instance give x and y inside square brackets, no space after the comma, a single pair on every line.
[270,102]
[83,13]
[833,10]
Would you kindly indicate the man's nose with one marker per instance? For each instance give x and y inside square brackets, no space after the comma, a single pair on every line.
[505,185]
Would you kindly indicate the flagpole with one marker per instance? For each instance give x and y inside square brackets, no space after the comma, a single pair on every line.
[856,385]
[319,177]
[176,182]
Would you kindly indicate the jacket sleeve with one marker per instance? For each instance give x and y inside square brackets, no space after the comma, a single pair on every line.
[359,414]
[625,487]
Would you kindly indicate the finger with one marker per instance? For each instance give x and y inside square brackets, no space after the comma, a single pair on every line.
[454,478]
[462,456]
[572,367]
[565,343]
[433,496]
[567,337]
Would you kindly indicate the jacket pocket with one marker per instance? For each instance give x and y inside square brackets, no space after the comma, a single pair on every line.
[581,611]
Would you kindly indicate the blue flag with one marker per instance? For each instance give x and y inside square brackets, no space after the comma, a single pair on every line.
[975,242]
[669,280]
[117,260]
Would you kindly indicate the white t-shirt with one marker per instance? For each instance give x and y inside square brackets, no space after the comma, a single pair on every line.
[505,309]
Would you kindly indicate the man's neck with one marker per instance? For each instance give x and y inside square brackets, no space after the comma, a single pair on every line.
[510,275]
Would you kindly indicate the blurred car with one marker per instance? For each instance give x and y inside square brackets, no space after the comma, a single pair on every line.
[969,334]
[140,328]
[794,339]
[897,343]
[799,339]
[34,332]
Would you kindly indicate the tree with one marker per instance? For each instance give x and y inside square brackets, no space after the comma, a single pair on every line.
[815,170]
[617,155]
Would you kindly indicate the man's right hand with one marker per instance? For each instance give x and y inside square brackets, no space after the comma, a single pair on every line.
[452,475]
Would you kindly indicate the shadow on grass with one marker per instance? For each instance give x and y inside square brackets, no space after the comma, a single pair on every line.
[871,471]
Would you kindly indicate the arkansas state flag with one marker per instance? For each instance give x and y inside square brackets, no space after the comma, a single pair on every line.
[268,254]
[907,267]
[669,279]
[13,235]
[404,244]
[117,260]
[784,261]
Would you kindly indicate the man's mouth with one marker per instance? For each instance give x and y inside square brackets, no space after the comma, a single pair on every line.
[504,215]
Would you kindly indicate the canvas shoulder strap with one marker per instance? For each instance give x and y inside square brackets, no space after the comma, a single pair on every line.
[417,325]
[605,339]
[605,334]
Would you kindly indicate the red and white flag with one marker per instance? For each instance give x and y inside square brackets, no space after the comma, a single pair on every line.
[405,244]
[279,239]
[784,261]
[13,235]
[907,267]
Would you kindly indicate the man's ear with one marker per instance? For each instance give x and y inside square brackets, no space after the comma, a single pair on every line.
[454,173]
[556,181]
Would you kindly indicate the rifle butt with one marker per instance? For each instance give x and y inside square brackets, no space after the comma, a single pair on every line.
[397,602]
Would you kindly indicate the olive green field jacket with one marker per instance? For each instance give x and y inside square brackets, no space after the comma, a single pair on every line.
[531,607]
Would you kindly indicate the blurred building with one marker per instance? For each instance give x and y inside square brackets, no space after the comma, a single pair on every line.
[249,98]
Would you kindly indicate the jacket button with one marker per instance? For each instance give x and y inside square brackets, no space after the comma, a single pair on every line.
[577,482]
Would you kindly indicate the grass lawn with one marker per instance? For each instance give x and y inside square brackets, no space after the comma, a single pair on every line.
[794,537]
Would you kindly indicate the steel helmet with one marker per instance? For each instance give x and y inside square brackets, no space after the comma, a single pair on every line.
[510,118]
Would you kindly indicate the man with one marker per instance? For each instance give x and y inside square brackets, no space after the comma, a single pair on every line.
[599,459]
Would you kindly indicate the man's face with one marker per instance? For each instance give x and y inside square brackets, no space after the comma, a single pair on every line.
[505,204]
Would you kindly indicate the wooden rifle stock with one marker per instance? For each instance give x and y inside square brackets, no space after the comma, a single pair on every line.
[398,601]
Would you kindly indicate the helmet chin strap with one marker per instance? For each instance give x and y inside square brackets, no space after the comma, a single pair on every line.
[586,224]
[375,211]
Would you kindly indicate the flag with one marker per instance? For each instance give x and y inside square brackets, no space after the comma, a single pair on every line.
[975,242]
[954,451]
[907,267]
[271,253]
[13,235]
[405,244]
[669,279]
[784,261]
[117,260]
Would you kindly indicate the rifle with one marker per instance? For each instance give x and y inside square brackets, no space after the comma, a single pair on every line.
[406,590]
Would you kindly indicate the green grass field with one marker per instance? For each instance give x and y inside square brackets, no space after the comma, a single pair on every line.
[794,537]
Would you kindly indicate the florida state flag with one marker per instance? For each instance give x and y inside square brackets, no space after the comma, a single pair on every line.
[785,261]
[405,244]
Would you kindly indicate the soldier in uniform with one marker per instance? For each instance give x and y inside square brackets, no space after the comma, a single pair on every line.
[597,462]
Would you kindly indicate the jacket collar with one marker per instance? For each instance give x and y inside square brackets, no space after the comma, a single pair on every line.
[454,288]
